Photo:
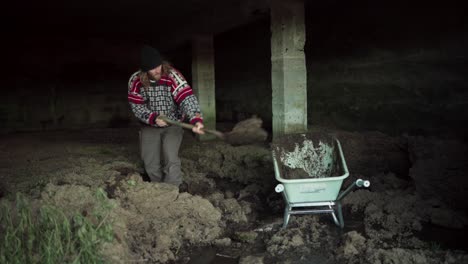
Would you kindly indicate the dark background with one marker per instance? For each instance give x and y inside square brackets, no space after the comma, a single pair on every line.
[391,66]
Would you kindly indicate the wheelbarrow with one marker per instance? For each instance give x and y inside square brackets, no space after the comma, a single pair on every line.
[311,169]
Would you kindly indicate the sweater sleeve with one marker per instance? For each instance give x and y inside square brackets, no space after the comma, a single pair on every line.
[184,97]
[137,100]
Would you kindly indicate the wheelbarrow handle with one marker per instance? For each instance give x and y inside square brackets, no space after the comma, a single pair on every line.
[279,188]
[358,183]
[362,183]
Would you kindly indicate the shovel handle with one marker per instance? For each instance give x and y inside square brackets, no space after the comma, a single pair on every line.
[189,126]
[176,123]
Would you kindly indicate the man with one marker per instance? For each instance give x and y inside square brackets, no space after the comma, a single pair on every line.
[156,90]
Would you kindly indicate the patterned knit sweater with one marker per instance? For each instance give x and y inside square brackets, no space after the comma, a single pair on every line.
[171,96]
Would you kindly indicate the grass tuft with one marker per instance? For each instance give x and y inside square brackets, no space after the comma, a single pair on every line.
[50,236]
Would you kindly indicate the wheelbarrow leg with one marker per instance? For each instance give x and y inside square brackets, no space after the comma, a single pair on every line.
[287,209]
[340,214]
[357,184]
[338,220]
[334,216]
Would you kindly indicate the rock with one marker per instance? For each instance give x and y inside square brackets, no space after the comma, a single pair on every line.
[246,236]
[223,242]
[354,244]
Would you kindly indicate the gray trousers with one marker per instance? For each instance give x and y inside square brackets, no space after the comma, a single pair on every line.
[166,139]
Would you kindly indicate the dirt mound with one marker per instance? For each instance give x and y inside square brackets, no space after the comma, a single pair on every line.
[393,216]
[151,221]
[233,210]
[370,153]
[244,164]
[359,250]
[75,199]
[162,220]
[306,231]
[305,239]
[439,169]
[248,131]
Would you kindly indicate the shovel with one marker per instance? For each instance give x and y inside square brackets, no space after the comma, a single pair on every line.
[217,133]
[246,132]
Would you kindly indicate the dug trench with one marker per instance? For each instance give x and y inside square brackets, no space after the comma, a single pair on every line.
[228,211]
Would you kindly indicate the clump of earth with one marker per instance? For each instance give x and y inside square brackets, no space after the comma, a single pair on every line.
[227,210]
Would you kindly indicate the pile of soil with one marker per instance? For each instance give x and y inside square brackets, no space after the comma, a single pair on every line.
[439,168]
[395,219]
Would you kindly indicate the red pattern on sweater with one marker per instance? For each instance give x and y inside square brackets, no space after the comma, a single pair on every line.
[148,103]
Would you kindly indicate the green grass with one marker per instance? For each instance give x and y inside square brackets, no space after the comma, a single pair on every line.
[49,236]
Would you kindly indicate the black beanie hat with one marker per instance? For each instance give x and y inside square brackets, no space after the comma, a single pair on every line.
[150,58]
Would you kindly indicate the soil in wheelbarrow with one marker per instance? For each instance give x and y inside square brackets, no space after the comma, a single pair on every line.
[227,210]
[306,155]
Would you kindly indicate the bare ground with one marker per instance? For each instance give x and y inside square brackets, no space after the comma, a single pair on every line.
[228,211]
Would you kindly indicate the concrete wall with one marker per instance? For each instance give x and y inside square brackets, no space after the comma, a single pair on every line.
[95,97]
[63,106]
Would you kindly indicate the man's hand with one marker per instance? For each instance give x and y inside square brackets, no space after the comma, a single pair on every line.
[160,122]
[198,128]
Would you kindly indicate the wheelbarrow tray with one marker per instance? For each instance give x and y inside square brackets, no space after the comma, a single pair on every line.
[308,190]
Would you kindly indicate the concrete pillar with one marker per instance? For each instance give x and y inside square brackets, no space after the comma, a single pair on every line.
[203,79]
[288,72]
